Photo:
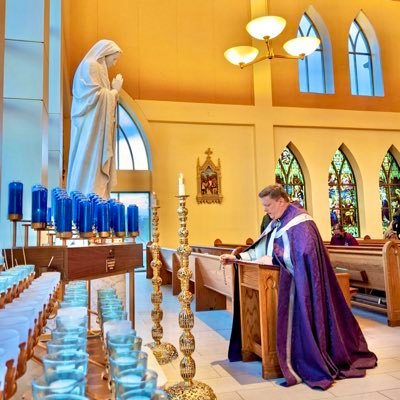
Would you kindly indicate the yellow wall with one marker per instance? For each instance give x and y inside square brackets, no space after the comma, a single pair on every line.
[175,149]
[248,138]
[172,50]
[338,16]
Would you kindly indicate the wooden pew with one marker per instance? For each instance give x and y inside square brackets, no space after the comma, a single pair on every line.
[372,268]
[219,243]
[170,262]
[213,282]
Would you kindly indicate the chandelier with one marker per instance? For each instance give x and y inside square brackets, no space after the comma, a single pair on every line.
[266,28]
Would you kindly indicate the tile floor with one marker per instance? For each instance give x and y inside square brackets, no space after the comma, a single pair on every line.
[242,381]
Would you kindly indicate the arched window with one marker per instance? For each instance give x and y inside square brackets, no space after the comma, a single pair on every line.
[133,162]
[389,188]
[343,194]
[364,58]
[288,173]
[131,149]
[311,69]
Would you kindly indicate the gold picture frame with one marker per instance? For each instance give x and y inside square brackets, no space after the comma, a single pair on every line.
[209,180]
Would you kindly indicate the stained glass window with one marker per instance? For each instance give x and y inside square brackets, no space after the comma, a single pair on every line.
[343,194]
[288,173]
[131,152]
[389,188]
[360,61]
[311,69]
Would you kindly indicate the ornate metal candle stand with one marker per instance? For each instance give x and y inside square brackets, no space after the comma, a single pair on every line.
[164,352]
[189,389]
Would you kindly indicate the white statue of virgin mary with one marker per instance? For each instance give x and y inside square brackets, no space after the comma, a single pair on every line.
[91,165]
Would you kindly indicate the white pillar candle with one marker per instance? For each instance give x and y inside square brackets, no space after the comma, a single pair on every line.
[181,185]
[155,200]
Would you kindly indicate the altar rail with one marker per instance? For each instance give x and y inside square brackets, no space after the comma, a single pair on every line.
[372,267]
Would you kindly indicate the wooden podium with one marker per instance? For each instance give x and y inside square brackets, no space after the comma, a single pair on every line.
[258,290]
[84,262]
[258,286]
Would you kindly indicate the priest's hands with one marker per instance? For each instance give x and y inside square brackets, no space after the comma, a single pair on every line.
[227,259]
[117,82]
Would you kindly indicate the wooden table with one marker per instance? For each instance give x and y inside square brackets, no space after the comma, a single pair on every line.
[85,262]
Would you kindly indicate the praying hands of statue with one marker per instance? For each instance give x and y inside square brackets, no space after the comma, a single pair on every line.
[117,82]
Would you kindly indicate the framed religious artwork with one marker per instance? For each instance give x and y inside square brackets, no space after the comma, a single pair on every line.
[208,180]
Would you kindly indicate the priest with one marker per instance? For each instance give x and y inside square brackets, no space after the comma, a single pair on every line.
[318,338]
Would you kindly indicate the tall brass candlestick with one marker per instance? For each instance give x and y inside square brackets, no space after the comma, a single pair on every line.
[164,352]
[189,389]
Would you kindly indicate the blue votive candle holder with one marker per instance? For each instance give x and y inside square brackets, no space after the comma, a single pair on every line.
[64,217]
[133,220]
[118,218]
[39,207]
[85,218]
[15,194]
[103,219]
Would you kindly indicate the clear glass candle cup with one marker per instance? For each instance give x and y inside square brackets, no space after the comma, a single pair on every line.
[54,346]
[63,361]
[121,347]
[127,361]
[109,298]
[145,394]
[104,309]
[135,379]
[106,291]
[73,303]
[66,322]
[79,332]
[66,397]
[114,315]
[62,383]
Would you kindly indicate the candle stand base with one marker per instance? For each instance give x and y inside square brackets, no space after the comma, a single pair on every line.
[163,352]
[196,391]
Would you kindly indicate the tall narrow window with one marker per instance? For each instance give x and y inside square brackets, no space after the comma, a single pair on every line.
[311,69]
[288,173]
[389,188]
[360,60]
[131,152]
[133,163]
[343,194]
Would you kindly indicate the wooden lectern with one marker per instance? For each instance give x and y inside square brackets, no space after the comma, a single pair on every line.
[258,290]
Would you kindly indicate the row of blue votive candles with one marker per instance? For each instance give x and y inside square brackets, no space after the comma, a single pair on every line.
[87,213]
